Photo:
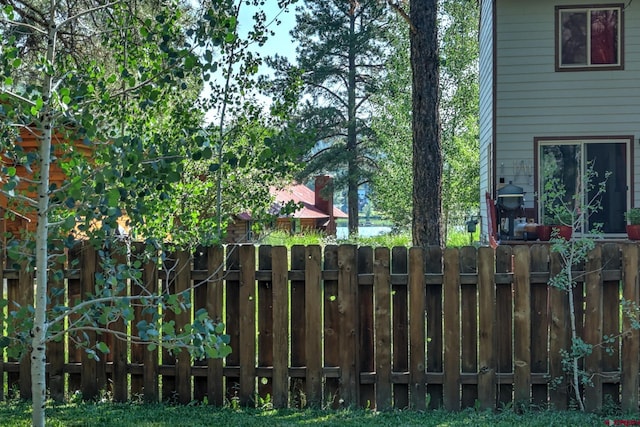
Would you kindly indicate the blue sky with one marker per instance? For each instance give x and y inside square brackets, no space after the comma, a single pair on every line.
[281,42]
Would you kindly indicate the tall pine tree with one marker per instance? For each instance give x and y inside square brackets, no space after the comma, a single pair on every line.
[341,55]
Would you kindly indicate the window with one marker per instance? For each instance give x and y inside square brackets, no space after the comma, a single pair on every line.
[588,38]
[567,161]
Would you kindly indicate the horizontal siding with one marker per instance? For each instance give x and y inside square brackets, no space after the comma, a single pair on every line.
[486,106]
[533,100]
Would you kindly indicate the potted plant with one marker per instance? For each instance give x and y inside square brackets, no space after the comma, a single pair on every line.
[558,221]
[544,230]
[562,222]
[633,227]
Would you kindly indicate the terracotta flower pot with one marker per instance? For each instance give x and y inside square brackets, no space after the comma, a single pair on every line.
[633,231]
[544,232]
[564,231]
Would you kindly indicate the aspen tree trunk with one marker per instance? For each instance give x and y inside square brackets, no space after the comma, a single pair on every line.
[39,332]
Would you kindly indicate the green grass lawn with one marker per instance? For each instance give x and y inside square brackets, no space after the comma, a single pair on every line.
[17,413]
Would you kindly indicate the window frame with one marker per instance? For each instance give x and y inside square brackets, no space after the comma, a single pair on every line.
[588,9]
[583,141]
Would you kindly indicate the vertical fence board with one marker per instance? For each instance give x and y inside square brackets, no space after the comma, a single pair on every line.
[451,289]
[348,308]
[169,267]
[522,328]
[382,290]
[298,327]
[247,324]
[331,326]
[200,303]
[417,355]
[469,324]
[265,321]
[559,339]
[74,294]
[593,328]
[366,362]
[232,320]
[504,325]
[434,314]
[630,365]
[486,336]
[400,326]
[89,369]
[3,321]
[280,313]
[215,294]
[26,298]
[150,359]
[119,348]
[183,318]
[611,323]
[55,350]
[13,296]
[136,351]
[539,325]
[313,323]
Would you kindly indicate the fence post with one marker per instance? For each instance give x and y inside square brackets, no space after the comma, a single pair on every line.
[504,318]
[417,377]
[215,294]
[630,340]
[200,303]
[434,314]
[89,367]
[365,362]
[611,322]
[55,350]
[593,328]
[559,338]
[119,349]
[382,297]
[298,327]
[451,290]
[400,311]
[280,284]
[522,327]
[469,323]
[148,358]
[332,326]
[540,326]
[486,319]
[247,295]
[265,319]
[349,315]
[3,323]
[313,323]
[183,363]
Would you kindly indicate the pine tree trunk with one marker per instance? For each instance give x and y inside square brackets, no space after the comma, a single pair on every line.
[352,137]
[427,151]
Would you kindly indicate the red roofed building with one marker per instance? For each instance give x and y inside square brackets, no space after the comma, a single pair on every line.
[317,212]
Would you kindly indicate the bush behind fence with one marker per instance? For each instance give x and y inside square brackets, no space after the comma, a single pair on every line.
[344,326]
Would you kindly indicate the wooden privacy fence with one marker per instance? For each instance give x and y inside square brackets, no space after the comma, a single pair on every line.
[383,328]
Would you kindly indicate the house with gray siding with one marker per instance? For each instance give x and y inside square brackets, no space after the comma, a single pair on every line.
[560,89]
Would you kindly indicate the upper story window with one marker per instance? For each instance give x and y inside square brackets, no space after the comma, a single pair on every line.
[589,37]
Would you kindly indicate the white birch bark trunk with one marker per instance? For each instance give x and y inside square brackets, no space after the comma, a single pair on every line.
[39,332]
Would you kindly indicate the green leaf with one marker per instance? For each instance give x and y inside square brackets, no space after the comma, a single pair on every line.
[113,197]
[4,342]
[103,347]
[8,81]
